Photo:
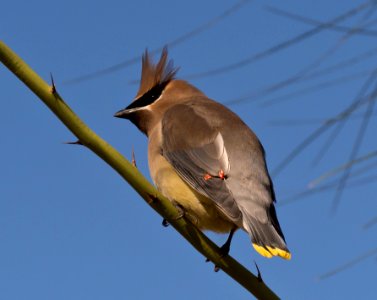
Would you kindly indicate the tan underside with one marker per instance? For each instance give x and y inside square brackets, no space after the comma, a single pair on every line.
[201,210]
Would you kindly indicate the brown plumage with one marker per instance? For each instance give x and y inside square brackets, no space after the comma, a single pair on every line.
[152,75]
[204,158]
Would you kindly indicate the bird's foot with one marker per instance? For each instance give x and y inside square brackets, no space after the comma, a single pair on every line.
[181,214]
[224,249]
[215,268]
[181,211]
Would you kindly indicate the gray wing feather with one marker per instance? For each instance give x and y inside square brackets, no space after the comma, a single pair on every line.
[196,148]
[194,156]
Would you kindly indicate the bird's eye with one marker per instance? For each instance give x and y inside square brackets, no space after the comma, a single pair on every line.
[154,93]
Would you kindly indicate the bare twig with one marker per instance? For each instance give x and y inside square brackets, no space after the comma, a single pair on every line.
[281,46]
[370,223]
[355,150]
[124,64]
[342,168]
[294,79]
[348,265]
[310,21]
[343,115]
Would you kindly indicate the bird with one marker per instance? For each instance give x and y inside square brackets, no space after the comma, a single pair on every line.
[205,159]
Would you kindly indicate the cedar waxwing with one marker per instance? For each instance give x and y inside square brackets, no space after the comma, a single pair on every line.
[205,159]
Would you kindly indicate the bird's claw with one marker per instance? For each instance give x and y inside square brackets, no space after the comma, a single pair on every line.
[181,212]
[215,268]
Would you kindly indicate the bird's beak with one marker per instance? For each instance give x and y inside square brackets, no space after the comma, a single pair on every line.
[126,112]
[123,113]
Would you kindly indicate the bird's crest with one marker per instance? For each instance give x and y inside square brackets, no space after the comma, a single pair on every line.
[155,74]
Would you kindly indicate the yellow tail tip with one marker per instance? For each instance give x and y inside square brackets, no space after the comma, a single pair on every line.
[272,251]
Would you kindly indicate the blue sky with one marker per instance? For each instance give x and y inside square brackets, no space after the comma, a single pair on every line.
[71,228]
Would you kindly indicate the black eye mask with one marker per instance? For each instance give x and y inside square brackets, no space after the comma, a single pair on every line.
[149,97]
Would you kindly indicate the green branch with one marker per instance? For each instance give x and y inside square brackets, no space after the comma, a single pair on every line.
[163,206]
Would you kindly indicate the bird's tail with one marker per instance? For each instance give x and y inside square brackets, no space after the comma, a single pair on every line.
[267,237]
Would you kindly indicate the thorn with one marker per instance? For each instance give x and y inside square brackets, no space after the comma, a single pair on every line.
[133,158]
[165,223]
[259,273]
[78,142]
[207,177]
[53,87]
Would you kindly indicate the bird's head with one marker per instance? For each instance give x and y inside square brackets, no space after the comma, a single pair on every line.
[158,91]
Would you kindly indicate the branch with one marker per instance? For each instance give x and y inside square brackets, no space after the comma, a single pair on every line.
[160,204]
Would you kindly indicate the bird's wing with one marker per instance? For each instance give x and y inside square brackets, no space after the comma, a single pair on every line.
[197,151]
[198,154]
